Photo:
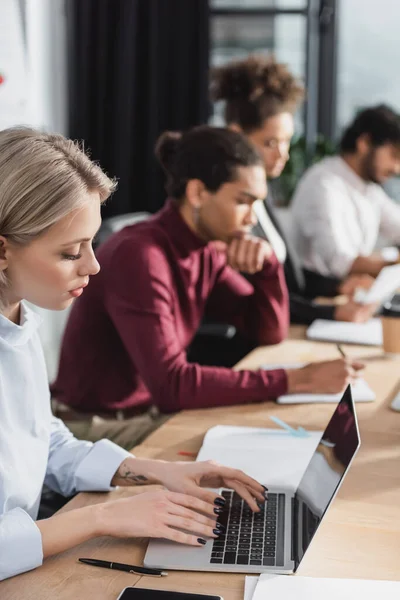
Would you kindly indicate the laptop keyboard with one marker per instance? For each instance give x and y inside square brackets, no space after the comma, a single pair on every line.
[251,538]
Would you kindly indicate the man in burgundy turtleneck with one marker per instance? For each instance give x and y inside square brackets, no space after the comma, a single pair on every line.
[126,338]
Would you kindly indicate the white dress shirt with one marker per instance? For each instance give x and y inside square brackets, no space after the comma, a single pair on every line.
[37,448]
[338,217]
[270,232]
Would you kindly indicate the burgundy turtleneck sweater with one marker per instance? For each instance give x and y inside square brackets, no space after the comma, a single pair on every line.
[126,338]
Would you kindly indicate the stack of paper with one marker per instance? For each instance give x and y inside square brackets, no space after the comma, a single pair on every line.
[287,587]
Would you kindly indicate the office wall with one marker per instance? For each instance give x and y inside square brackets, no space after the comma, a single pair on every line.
[46,51]
[33,64]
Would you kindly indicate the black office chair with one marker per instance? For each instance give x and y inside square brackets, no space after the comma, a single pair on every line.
[50,502]
[114,224]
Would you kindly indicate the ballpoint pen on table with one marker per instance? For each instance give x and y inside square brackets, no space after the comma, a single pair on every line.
[106,564]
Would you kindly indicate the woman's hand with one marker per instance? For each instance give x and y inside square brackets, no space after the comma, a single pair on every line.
[191,477]
[160,514]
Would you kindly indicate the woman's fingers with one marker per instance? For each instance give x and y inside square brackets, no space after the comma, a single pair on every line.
[226,475]
[190,525]
[206,495]
[245,494]
[188,514]
[246,480]
[183,538]
[192,502]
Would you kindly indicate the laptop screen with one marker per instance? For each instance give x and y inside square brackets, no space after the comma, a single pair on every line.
[328,465]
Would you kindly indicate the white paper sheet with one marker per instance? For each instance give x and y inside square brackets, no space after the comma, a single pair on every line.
[369,333]
[384,286]
[272,456]
[250,583]
[361,391]
[309,588]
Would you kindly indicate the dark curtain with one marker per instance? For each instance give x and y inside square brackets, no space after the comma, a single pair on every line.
[136,68]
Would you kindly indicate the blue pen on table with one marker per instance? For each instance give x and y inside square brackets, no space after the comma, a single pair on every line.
[299,432]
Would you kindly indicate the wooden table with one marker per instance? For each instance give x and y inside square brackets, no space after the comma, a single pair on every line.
[359,538]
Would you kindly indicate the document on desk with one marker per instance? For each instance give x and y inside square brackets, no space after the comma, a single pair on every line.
[361,390]
[311,588]
[384,286]
[272,456]
[250,584]
[369,333]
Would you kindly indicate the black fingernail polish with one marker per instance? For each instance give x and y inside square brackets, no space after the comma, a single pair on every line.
[202,541]
[220,501]
[265,488]
[216,531]
[220,527]
[218,511]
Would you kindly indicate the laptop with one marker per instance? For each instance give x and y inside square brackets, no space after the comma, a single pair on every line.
[276,539]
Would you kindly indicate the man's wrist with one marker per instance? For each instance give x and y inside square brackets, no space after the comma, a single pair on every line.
[297,380]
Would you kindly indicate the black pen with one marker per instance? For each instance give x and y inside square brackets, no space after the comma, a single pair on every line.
[121,567]
[339,347]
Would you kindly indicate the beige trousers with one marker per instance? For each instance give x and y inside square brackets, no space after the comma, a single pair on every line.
[127,433]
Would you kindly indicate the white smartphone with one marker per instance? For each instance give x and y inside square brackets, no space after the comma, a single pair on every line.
[134,593]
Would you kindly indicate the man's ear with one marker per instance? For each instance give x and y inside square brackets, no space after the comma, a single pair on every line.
[195,192]
[363,144]
[3,253]
[235,127]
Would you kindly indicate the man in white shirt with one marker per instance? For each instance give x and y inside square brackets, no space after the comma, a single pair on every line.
[340,208]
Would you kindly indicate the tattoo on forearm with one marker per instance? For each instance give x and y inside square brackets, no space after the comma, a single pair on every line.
[128,475]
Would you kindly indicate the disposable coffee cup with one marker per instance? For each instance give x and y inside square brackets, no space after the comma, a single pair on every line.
[390,317]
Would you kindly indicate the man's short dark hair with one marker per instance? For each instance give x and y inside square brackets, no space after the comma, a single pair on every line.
[380,123]
[210,154]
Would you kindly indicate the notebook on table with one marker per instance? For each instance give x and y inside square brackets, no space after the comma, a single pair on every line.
[369,333]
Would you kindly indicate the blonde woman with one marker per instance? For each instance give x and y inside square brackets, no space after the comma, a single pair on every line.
[50,197]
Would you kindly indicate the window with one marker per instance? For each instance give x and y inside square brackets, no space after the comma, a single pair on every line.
[369,56]
[245,27]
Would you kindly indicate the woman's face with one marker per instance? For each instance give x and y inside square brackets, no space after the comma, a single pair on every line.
[53,269]
[273,141]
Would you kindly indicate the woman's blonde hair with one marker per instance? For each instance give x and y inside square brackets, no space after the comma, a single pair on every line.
[43,178]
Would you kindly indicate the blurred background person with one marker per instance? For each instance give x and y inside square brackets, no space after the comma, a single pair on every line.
[261,96]
[340,208]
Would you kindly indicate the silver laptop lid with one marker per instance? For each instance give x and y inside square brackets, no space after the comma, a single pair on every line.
[325,472]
